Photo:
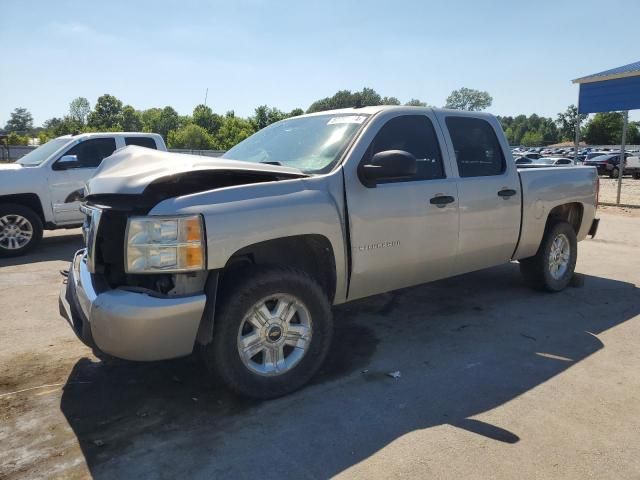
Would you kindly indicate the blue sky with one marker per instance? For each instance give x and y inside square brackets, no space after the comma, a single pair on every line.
[290,53]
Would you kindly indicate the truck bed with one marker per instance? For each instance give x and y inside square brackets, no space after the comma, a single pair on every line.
[547,187]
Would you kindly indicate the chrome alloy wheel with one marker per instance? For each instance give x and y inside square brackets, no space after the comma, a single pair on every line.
[15,231]
[274,335]
[559,255]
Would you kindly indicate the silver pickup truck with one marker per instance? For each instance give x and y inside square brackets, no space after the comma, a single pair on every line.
[243,256]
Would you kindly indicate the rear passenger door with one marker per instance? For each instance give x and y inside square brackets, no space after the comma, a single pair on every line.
[488,191]
[400,236]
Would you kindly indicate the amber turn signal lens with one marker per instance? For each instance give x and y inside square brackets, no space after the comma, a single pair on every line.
[192,256]
[192,230]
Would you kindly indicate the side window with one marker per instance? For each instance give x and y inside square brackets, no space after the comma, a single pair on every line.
[414,134]
[478,151]
[141,142]
[91,152]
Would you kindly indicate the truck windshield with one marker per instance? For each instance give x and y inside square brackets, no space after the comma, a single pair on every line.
[40,154]
[311,144]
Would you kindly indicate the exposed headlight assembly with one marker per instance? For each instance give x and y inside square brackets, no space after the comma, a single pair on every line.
[165,244]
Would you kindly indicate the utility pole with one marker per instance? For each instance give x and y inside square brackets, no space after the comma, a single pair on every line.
[206,94]
[625,116]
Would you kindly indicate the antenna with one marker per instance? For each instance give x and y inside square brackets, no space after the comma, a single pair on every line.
[206,94]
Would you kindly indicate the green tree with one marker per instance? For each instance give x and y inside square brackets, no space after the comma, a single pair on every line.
[106,115]
[390,101]
[566,122]
[21,120]
[532,139]
[604,129]
[469,99]
[296,112]
[150,119]
[414,102]
[79,109]
[43,137]
[161,121]
[55,127]
[131,120]
[346,99]
[205,118]
[515,129]
[190,136]
[633,133]
[265,116]
[233,131]
[16,139]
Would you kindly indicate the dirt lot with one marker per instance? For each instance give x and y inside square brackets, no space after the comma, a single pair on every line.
[630,193]
[496,381]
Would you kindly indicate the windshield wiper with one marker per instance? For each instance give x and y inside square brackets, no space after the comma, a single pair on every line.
[272,162]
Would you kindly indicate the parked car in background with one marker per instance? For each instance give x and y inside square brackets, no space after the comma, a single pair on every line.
[532,155]
[523,161]
[242,257]
[555,161]
[607,164]
[42,190]
[591,155]
[632,166]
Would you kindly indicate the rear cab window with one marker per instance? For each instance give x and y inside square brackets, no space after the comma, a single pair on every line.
[147,142]
[477,149]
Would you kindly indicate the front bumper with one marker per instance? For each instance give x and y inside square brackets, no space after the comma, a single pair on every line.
[126,324]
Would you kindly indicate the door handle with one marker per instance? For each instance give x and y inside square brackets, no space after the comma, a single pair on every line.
[507,192]
[441,200]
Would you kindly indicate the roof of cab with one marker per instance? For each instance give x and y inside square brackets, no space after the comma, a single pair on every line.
[371,110]
[108,134]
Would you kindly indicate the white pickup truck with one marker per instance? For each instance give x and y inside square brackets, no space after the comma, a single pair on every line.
[42,189]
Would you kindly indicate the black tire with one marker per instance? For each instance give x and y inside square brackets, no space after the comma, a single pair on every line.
[536,270]
[636,176]
[240,291]
[614,173]
[10,209]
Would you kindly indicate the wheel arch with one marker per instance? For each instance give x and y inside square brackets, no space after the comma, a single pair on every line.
[30,200]
[311,253]
[571,213]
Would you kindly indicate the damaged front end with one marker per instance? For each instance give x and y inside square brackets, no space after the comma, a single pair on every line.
[133,181]
[156,311]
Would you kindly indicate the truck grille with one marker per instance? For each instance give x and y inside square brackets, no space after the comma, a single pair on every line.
[90,228]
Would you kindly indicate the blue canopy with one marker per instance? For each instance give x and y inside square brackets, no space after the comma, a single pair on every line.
[611,90]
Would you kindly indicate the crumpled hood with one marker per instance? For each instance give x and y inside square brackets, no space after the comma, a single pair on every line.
[132,169]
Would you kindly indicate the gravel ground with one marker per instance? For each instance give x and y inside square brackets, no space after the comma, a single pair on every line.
[630,193]
[497,381]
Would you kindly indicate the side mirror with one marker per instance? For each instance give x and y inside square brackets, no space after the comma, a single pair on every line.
[66,161]
[388,165]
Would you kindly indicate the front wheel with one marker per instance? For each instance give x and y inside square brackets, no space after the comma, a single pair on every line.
[272,331]
[20,230]
[615,173]
[636,175]
[552,267]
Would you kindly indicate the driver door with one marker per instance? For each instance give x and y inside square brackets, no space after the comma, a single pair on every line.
[66,179]
[400,235]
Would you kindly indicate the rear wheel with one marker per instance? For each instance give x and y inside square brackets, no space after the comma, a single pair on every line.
[552,267]
[20,230]
[272,331]
[614,173]
[636,175]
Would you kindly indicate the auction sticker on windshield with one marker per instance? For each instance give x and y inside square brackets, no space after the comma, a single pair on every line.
[347,119]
